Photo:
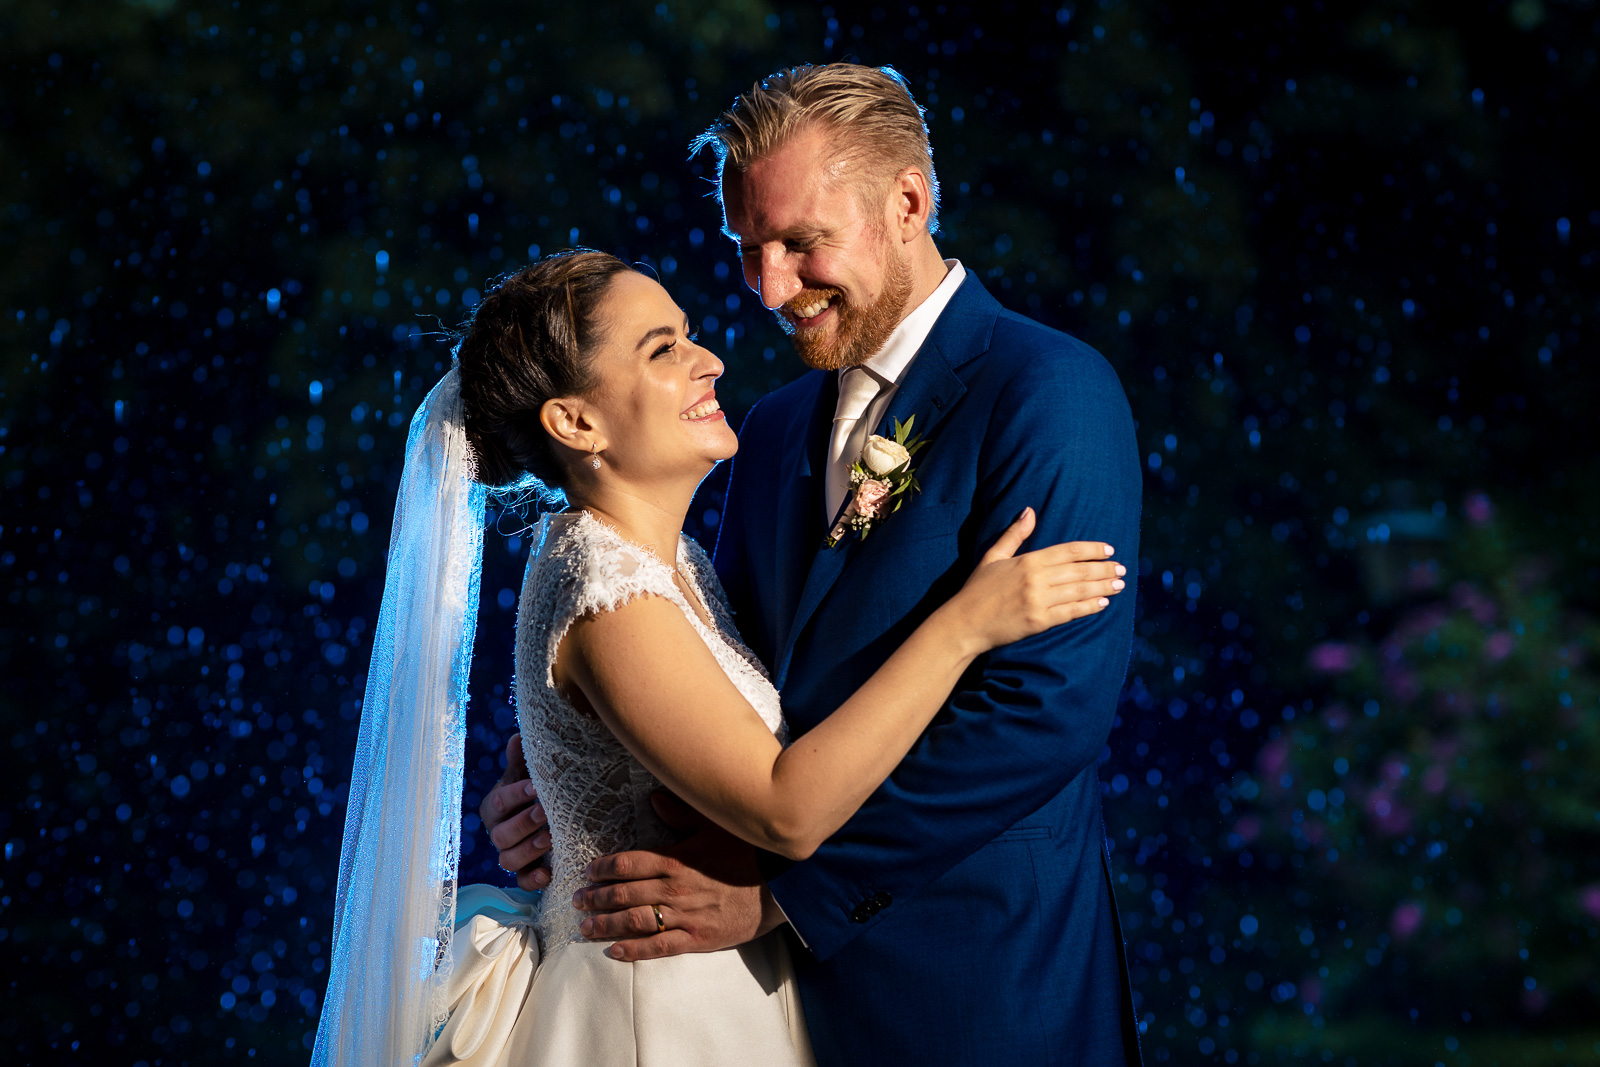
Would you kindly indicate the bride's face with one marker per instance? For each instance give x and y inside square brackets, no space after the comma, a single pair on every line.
[656,406]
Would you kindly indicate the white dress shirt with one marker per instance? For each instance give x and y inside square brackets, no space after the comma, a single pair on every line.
[890,363]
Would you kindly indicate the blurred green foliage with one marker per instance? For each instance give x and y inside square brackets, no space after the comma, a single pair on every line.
[1443,822]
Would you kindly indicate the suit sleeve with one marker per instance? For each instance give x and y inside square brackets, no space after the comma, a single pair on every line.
[1032,716]
[731,558]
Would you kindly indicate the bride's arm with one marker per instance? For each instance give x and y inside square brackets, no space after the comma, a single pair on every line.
[650,678]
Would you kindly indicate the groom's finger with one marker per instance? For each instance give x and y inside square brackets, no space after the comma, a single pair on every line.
[630,867]
[637,921]
[516,764]
[617,896]
[516,828]
[671,943]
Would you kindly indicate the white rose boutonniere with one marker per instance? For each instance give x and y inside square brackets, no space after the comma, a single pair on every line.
[882,455]
[880,482]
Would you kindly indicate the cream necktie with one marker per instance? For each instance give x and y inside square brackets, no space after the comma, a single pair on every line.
[858,387]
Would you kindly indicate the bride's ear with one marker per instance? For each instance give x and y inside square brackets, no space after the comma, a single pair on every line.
[566,419]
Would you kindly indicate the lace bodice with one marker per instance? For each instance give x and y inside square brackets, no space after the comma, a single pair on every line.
[596,795]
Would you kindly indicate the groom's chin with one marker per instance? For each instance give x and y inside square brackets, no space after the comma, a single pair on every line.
[824,352]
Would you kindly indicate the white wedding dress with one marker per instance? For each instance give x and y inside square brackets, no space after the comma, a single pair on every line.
[526,989]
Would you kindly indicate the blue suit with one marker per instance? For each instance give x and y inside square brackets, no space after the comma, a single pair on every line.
[964,914]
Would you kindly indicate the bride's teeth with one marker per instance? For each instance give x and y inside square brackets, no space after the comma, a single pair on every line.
[700,411]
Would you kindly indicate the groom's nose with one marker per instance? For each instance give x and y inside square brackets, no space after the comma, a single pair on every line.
[773,279]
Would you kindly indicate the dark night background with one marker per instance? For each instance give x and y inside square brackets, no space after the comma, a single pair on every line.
[1343,256]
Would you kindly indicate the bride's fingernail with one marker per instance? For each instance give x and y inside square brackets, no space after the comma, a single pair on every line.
[1110,551]
[1117,583]
[529,789]
[1121,570]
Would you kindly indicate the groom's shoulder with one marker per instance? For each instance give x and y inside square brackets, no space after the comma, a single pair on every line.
[785,403]
[1027,358]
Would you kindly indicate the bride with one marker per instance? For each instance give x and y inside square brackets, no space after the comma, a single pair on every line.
[581,373]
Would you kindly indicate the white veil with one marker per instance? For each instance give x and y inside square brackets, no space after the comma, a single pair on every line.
[395,907]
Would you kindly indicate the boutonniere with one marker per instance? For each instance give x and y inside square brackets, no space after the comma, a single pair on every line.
[880,481]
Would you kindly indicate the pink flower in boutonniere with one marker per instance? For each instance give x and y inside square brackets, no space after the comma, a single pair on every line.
[881,481]
[869,495]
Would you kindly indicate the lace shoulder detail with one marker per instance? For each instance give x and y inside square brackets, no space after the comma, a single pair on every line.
[590,568]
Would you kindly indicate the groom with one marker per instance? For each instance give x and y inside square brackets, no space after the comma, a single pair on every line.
[964,914]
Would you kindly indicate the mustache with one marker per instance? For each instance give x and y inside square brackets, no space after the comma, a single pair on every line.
[805,298]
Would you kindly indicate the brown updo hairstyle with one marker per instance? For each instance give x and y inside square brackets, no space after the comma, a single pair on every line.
[531,340]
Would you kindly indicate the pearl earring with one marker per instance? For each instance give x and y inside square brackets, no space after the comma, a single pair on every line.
[594,459]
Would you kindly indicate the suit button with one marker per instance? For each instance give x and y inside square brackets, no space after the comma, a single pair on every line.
[882,900]
[861,914]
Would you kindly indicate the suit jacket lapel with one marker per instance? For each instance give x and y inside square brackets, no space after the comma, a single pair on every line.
[799,513]
[929,390]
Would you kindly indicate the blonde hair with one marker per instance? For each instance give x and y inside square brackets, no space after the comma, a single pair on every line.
[870,109]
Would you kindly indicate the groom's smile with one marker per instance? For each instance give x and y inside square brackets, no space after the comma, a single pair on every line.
[814,244]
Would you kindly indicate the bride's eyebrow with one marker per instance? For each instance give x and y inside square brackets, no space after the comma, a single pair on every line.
[661,331]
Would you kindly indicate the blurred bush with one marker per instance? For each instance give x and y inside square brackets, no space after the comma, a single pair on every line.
[1442,815]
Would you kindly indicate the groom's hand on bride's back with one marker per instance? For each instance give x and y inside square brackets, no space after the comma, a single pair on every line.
[516,822]
[709,890]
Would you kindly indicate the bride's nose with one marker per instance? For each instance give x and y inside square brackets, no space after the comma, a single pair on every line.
[706,364]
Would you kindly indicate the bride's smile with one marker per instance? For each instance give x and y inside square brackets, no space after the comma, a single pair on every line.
[653,419]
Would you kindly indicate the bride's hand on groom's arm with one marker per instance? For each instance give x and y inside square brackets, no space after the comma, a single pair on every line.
[708,887]
[516,822]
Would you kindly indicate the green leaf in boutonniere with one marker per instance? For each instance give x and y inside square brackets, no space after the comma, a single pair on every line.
[880,482]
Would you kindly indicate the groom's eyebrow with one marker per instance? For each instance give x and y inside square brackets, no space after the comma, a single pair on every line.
[801,234]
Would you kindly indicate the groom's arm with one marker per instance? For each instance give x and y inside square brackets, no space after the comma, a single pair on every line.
[1038,712]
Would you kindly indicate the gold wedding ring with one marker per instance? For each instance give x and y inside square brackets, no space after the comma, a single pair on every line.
[661,924]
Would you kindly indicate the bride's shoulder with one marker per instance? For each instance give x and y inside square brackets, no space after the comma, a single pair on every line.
[596,567]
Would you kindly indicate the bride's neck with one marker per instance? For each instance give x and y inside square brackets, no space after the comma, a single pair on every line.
[652,521]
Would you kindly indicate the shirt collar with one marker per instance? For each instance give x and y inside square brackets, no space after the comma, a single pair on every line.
[890,363]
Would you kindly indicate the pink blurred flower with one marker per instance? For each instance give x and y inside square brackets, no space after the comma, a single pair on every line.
[1311,989]
[1589,899]
[1422,622]
[1478,509]
[1534,1001]
[1389,816]
[1402,683]
[1405,921]
[1434,779]
[869,497]
[1395,769]
[1248,828]
[1472,599]
[1499,646]
[1274,757]
[1332,657]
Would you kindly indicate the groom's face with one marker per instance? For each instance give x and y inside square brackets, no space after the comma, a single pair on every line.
[814,245]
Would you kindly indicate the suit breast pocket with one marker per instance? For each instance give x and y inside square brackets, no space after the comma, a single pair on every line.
[913,562]
[925,523]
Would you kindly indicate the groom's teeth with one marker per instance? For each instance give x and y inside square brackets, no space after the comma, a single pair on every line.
[700,411]
[814,309]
